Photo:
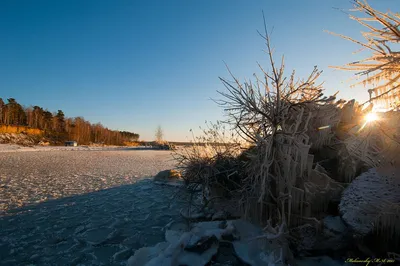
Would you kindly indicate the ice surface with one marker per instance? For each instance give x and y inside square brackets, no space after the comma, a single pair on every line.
[83,207]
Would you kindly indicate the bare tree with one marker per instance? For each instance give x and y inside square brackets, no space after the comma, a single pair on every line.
[159,134]
[279,115]
[382,68]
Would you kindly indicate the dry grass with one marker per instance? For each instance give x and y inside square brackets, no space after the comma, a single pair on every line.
[131,143]
[20,129]
[211,160]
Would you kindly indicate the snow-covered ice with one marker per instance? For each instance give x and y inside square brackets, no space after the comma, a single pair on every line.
[91,207]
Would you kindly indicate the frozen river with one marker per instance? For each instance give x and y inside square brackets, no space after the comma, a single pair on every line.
[88,207]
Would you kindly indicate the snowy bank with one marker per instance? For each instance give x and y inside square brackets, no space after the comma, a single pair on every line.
[231,242]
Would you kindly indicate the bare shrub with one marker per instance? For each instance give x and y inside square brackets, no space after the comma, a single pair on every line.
[273,180]
[211,160]
[278,115]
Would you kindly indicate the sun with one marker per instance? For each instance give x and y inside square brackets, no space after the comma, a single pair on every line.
[370,117]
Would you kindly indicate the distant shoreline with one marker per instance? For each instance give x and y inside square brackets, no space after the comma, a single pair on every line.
[9,147]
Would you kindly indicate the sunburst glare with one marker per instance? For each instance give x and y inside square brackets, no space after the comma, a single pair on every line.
[370,117]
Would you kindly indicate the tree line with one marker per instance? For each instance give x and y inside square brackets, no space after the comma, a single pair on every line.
[59,128]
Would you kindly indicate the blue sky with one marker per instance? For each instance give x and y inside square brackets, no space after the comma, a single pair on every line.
[133,65]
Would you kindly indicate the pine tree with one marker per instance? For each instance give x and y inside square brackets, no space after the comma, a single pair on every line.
[15,113]
[2,109]
[60,117]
